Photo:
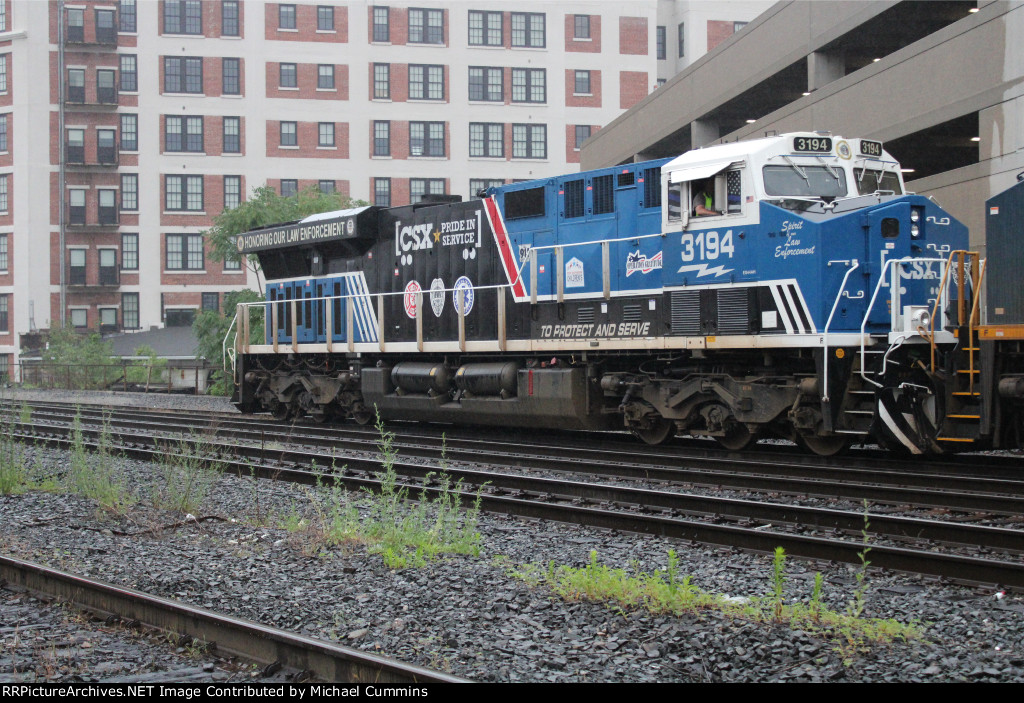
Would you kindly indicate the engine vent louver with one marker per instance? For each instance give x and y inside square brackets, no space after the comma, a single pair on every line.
[734,311]
[632,313]
[686,312]
[585,316]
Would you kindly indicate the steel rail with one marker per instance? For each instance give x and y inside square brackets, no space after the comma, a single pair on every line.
[553,506]
[233,636]
[967,494]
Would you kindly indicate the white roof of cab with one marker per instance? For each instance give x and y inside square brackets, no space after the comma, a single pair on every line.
[724,154]
[334,213]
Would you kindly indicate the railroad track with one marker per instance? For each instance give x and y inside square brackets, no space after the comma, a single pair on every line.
[965,552]
[271,647]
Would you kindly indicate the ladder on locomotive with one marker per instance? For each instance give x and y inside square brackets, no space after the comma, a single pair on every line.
[962,421]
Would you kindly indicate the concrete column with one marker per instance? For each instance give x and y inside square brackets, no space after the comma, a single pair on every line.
[703,132]
[824,67]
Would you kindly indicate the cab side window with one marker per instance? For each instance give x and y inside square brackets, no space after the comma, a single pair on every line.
[734,192]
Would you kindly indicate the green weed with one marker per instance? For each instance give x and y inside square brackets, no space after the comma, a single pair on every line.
[189,470]
[93,476]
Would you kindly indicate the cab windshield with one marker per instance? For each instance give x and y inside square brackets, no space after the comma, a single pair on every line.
[870,180]
[804,181]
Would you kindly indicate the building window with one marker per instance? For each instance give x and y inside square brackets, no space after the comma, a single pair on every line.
[3,74]
[426,82]
[486,83]
[288,78]
[528,30]
[289,135]
[76,25]
[529,141]
[129,132]
[3,192]
[485,28]
[3,28]
[381,24]
[232,135]
[3,133]
[233,263]
[529,85]
[486,139]
[325,18]
[106,33]
[106,87]
[581,86]
[108,272]
[4,322]
[130,311]
[662,52]
[426,26]
[326,134]
[106,153]
[382,192]
[382,81]
[286,16]
[325,77]
[737,26]
[232,191]
[183,17]
[184,252]
[79,317]
[426,139]
[108,316]
[129,191]
[211,302]
[582,135]
[229,26]
[126,15]
[479,185]
[289,187]
[129,73]
[183,193]
[183,134]
[76,265]
[76,206]
[326,187]
[581,27]
[682,40]
[107,213]
[129,252]
[75,151]
[231,75]
[183,75]
[3,252]
[419,188]
[381,138]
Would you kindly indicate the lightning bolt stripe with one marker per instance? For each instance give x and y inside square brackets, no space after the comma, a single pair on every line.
[703,270]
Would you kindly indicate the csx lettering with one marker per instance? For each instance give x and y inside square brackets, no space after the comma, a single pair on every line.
[413,237]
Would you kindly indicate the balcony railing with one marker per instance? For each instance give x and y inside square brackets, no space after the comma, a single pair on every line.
[74,155]
[109,276]
[105,216]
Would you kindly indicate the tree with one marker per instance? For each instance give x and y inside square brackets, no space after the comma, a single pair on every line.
[210,327]
[266,208]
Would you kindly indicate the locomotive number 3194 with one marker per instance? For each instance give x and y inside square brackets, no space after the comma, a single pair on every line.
[707,246]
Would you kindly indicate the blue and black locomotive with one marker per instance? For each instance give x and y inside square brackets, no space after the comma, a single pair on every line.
[785,286]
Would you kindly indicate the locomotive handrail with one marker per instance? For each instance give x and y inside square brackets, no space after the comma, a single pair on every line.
[944,295]
[891,264]
[839,294]
[224,345]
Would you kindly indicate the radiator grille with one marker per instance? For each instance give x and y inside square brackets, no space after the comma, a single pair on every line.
[686,312]
[733,311]
[585,315]
[632,313]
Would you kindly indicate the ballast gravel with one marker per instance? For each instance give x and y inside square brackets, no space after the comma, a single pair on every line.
[466,614]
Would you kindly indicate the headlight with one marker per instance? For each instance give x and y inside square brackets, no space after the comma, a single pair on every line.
[914,231]
[915,215]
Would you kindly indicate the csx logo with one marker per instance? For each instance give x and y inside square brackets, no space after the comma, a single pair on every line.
[918,271]
[413,237]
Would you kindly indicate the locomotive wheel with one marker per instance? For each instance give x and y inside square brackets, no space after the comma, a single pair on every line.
[658,433]
[824,446]
[280,411]
[736,438]
[362,417]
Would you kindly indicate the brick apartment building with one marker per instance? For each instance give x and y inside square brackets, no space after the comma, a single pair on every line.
[126,126]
